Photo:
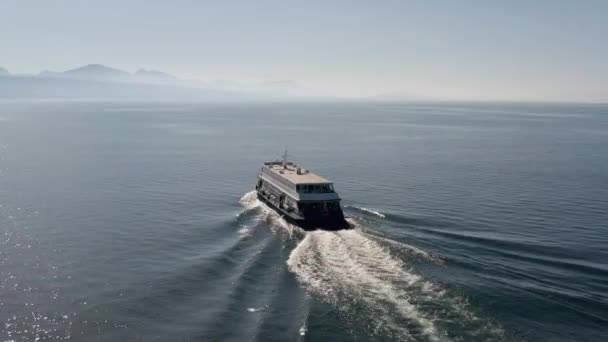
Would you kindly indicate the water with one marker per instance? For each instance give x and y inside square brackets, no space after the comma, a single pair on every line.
[136,221]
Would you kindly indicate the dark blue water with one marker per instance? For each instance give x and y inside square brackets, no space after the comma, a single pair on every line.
[136,221]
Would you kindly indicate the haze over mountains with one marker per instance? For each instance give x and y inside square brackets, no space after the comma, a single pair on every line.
[96,81]
[100,72]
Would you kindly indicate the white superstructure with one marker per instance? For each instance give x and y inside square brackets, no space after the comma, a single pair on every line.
[301,196]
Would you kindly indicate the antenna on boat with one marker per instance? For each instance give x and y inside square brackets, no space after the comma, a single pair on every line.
[285,159]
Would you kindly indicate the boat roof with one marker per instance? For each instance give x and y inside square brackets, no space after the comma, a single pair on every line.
[290,173]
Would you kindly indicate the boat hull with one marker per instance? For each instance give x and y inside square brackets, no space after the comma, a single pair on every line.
[335,224]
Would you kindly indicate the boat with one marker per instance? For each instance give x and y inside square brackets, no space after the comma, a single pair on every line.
[301,197]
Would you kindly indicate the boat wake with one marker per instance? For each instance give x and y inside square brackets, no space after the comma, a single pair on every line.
[349,270]
[366,277]
[368,211]
[399,246]
[278,225]
[249,201]
[361,277]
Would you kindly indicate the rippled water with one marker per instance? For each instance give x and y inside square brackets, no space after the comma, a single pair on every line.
[136,221]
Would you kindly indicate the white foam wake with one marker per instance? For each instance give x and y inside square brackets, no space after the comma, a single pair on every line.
[244,233]
[278,224]
[372,211]
[303,329]
[358,274]
[356,270]
[258,309]
[250,200]
[409,249]
[340,264]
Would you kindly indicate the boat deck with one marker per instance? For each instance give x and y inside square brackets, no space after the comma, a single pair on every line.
[291,174]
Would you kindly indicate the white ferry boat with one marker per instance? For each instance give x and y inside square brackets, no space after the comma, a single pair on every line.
[300,196]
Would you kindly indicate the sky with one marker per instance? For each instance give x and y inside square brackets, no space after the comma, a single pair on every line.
[451,50]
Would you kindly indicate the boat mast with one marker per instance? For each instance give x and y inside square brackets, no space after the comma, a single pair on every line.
[285,159]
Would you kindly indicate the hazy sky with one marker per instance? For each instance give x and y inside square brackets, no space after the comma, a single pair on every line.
[504,50]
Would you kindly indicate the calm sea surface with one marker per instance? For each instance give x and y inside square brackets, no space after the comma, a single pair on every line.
[136,221]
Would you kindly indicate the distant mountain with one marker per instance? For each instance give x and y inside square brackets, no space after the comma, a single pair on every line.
[96,81]
[98,72]
[154,76]
[37,87]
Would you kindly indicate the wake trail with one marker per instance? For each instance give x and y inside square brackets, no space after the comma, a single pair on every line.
[250,201]
[409,249]
[360,276]
[277,223]
[346,263]
[367,277]
[369,211]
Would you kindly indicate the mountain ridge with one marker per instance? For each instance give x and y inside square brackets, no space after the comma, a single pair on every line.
[96,71]
[98,81]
